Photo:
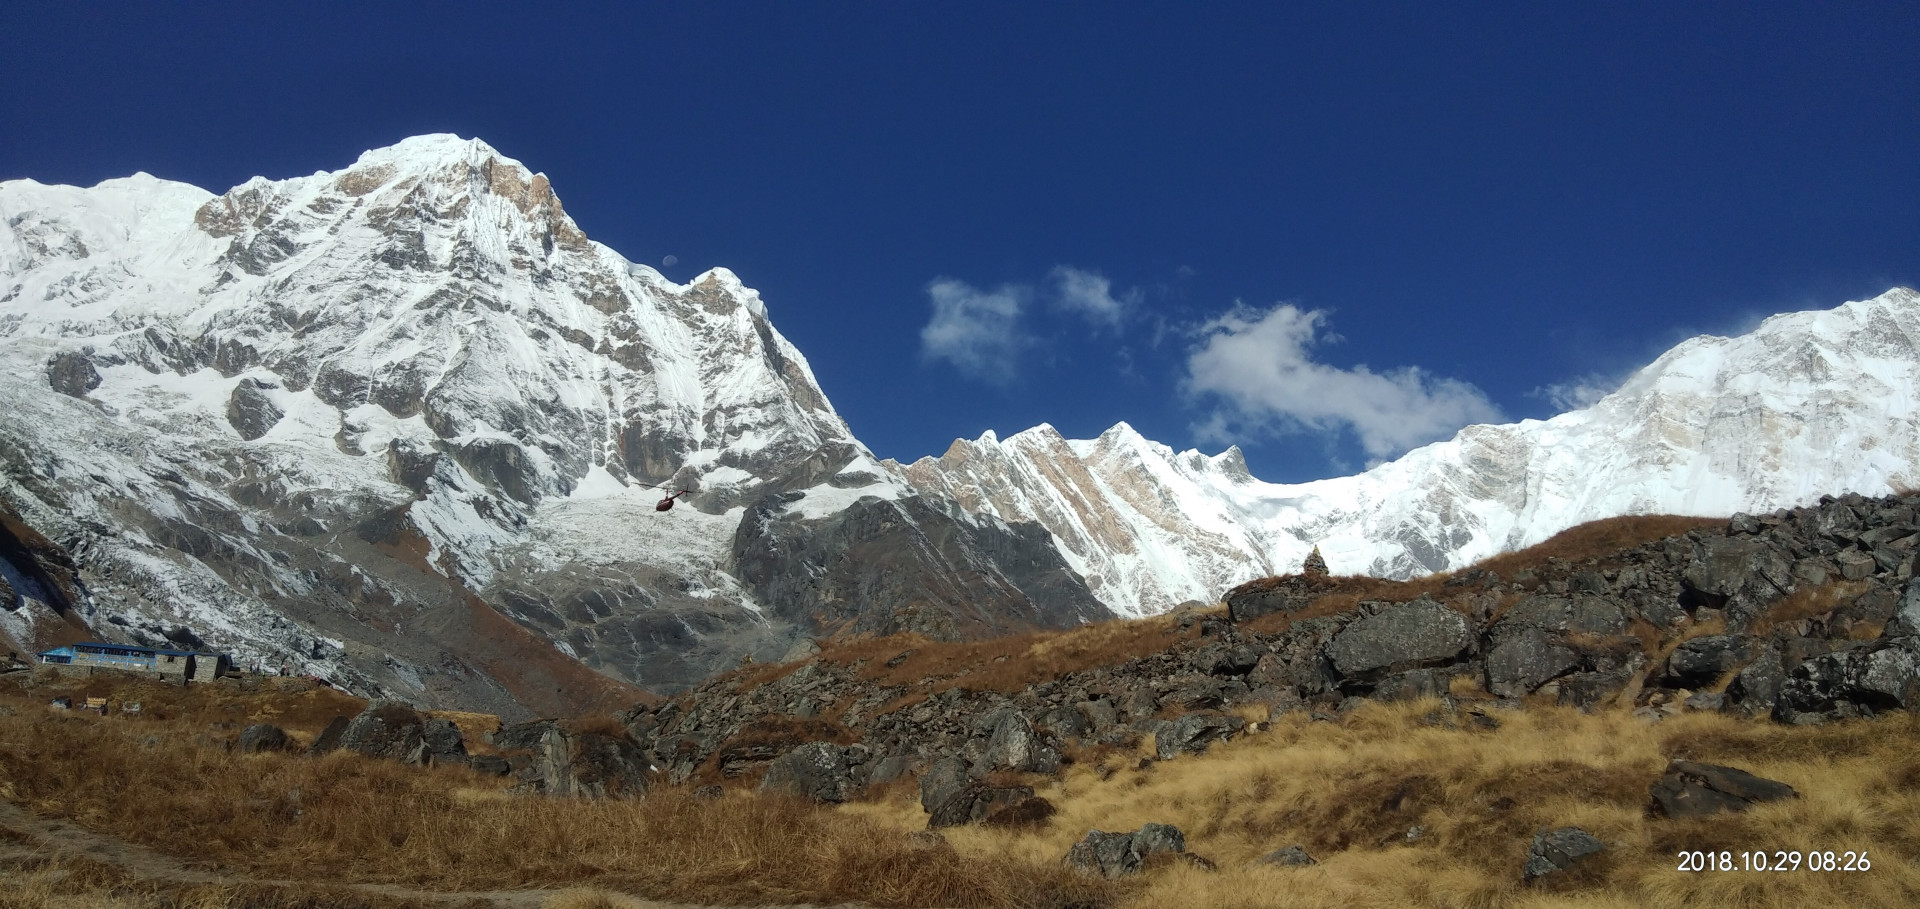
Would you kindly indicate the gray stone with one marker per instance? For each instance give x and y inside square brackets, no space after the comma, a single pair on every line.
[386,729]
[1290,857]
[1014,746]
[976,802]
[1526,659]
[947,776]
[250,410]
[1114,855]
[1858,681]
[1854,564]
[262,737]
[1405,636]
[1194,734]
[1690,789]
[1702,660]
[1558,850]
[819,771]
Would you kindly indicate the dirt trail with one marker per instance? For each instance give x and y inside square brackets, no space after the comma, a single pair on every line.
[60,837]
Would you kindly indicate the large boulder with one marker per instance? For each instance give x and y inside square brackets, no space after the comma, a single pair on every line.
[1690,789]
[1406,636]
[1739,574]
[1013,745]
[1703,660]
[1194,733]
[386,729]
[820,771]
[262,737]
[1525,660]
[946,777]
[1113,855]
[546,758]
[1270,595]
[1858,681]
[977,801]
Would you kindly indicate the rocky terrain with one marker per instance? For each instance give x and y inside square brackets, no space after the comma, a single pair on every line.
[1800,615]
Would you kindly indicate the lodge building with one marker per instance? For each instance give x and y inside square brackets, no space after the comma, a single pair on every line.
[171,665]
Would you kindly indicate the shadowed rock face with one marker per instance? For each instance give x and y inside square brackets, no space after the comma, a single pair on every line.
[907,565]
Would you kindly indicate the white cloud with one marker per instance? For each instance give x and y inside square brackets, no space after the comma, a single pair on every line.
[1575,394]
[976,330]
[1090,294]
[1261,364]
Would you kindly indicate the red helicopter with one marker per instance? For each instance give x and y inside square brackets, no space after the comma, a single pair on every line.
[666,504]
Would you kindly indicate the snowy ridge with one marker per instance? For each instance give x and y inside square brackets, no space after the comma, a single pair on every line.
[1808,404]
[426,334]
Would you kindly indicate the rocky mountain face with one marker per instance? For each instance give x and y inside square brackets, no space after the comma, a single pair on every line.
[1802,615]
[394,425]
[1808,404]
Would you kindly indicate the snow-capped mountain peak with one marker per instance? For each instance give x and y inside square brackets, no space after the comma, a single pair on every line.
[1807,404]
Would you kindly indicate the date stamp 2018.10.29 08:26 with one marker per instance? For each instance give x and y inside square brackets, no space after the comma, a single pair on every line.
[1781,860]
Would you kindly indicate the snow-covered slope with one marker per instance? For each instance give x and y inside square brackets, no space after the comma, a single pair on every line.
[316,420]
[1810,403]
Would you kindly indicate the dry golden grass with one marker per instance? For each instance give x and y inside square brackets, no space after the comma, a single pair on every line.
[173,786]
[1350,791]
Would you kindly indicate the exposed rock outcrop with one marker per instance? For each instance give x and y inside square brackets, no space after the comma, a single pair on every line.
[1690,789]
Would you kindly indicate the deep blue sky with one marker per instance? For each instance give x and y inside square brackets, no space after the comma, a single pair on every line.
[1507,197]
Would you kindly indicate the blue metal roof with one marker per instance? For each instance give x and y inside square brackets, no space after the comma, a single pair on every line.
[138,649]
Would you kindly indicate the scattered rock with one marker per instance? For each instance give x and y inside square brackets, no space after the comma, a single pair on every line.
[1690,789]
[386,729]
[1194,734]
[977,802]
[1029,812]
[262,737]
[1558,850]
[1858,681]
[946,777]
[820,771]
[1291,857]
[329,738]
[1114,855]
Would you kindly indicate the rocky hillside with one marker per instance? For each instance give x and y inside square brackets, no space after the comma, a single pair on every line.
[395,425]
[1801,615]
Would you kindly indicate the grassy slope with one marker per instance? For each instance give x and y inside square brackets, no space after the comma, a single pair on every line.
[1348,790]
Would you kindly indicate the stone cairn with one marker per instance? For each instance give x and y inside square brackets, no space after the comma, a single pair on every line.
[1315,566]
